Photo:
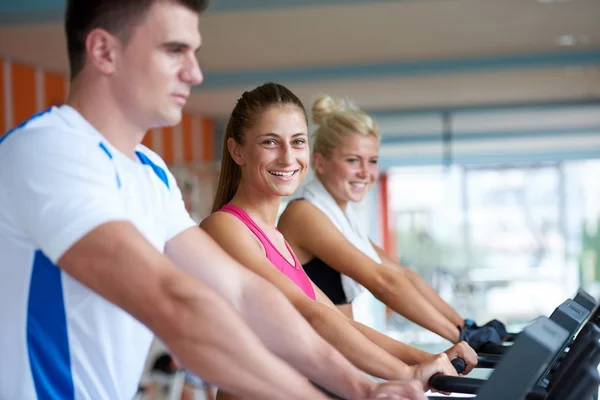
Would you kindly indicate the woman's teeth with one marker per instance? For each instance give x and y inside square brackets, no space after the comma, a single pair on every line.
[285,174]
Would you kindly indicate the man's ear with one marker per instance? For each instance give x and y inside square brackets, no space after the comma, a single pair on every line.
[102,49]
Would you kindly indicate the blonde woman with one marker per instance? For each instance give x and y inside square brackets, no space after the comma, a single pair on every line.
[337,255]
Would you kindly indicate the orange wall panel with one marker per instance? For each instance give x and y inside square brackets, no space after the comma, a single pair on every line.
[3,127]
[187,138]
[208,135]
[168,148]
[148,140]
[23,92]
[387,230]
[54,89]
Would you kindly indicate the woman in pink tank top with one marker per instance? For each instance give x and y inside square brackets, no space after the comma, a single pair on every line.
[265,158]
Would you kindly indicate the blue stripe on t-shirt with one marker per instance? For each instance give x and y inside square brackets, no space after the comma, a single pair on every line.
[103,147]
[47,334]
[109,154]
[157,170]
[22,124]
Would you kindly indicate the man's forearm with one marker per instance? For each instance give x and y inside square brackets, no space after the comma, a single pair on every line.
[290,336]
[210,339]
[268,312]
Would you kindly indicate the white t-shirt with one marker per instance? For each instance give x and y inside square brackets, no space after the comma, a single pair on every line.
[60,179]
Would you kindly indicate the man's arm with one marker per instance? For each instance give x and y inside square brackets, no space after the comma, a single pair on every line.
[69,204]
[267,311]
[201,329]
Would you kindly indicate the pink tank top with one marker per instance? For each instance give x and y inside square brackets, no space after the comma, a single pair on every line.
[294,272]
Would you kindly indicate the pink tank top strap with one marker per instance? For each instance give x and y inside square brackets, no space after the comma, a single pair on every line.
[249,222]
[295,272]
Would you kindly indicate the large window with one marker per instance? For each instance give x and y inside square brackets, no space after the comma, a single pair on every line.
[499,241]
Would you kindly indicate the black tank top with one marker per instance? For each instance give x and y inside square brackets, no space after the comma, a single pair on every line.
[327,279]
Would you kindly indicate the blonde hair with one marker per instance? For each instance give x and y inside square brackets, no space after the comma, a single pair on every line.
[338,118]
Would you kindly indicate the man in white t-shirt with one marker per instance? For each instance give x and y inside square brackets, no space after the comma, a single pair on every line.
[97,251]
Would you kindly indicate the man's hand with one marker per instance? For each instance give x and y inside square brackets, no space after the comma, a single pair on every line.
[439,365]
[464,351]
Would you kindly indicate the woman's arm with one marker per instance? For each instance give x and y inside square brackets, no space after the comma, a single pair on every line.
[336,329]
[329,323]
[306,226]
[423,287]
[409,354]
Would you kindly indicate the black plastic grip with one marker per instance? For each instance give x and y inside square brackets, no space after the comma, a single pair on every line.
[456,384]
[459,364]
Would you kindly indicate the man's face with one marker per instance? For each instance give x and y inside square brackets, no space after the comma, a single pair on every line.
[157,67]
